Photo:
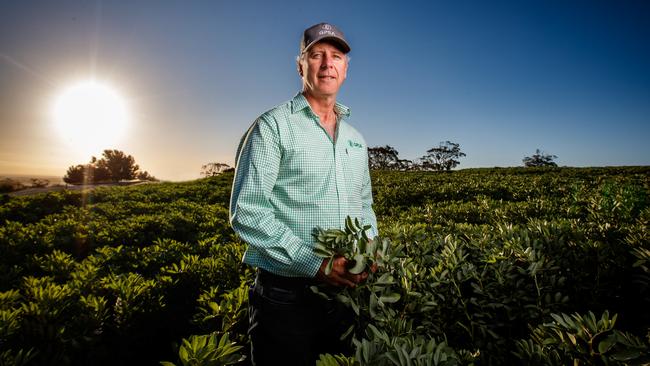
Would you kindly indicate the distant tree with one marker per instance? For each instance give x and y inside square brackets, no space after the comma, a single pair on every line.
[539,159]
[118,165]
[78,174]
[74,175]
[114,166]
[146,176]
[10,185]
[443,157]
[382,157]
[39,183]
[405,164]
[214,169]
[98,172]
[386,158]
[101,173]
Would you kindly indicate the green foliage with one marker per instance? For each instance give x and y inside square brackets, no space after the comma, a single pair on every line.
[133,295]
[581,339]
[336,360]
[19,358]
[208,350]
[368,300]
[351,243]
[379,348]
[473,267]
[57,264]
[88,277]
[376,302]
[225,312]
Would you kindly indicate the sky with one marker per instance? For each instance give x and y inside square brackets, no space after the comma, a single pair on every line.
[501,78]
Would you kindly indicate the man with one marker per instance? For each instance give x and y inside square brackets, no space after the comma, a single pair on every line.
[300,166]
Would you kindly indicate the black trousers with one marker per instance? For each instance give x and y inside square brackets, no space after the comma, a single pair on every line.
[290,325]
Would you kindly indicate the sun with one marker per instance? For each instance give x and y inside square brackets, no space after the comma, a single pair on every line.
[90,116]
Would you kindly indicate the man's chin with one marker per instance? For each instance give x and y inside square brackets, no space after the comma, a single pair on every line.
[319,93]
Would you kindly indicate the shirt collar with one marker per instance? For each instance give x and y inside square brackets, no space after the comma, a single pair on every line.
[299,102]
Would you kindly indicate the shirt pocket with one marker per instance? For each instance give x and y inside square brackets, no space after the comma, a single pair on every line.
[355,169]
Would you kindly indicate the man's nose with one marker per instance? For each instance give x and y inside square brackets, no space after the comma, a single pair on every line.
[326,62]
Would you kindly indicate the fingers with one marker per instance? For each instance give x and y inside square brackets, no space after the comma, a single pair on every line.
[336,279]
[339,276]
[339,280]
[364,276]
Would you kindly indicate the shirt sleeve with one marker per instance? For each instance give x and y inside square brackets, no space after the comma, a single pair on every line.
[368,213]
[252,215]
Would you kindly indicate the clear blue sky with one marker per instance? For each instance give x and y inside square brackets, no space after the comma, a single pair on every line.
[501,78]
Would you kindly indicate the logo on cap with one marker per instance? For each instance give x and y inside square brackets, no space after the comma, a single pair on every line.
[320,31]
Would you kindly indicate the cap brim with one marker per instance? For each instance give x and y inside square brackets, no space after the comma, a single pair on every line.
[341,45]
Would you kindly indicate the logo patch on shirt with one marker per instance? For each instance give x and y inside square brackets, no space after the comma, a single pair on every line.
[355,144]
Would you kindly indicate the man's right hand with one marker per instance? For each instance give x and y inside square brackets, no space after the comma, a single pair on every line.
[339,276]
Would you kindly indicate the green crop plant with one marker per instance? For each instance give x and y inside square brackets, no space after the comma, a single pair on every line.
[368,299]
[582,340]
[379,333]
[476,261]
[208,350]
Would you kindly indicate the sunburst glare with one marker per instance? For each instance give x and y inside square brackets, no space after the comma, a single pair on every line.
[90,116]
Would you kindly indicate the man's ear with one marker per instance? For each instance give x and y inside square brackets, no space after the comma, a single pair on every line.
[299,65]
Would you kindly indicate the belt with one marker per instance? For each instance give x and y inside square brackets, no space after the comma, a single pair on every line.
[266,278]
[282,289]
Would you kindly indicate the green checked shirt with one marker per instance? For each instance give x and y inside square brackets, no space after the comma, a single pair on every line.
[291,177]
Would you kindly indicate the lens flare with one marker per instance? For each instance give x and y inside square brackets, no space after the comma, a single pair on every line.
[90,116]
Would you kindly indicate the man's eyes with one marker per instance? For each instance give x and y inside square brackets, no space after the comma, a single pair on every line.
[319,55]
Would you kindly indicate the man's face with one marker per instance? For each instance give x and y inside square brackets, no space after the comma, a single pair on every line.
[323,69]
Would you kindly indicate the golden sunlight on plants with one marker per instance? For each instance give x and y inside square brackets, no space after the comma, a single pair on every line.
[520,266]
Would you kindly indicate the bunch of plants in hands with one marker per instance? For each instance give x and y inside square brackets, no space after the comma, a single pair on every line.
[376,257]
[381,333]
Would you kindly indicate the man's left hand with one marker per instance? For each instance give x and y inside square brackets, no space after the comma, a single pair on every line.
[339,276]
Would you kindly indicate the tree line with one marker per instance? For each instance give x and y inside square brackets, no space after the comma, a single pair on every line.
[115,165]
[443,157]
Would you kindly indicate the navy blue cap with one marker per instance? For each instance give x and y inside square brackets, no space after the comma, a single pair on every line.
[323,31]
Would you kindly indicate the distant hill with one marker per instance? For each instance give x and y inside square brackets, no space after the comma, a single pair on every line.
[26,179]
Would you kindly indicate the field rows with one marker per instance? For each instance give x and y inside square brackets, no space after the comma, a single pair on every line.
[490,267]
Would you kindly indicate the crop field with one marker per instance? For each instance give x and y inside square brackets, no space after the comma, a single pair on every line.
[502,266]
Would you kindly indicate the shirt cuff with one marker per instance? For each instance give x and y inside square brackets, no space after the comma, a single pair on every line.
[310,262]
[304,263]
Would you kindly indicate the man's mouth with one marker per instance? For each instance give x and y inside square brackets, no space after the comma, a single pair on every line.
[327,77]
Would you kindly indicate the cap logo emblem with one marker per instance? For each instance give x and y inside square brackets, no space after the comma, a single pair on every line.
[327,27]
